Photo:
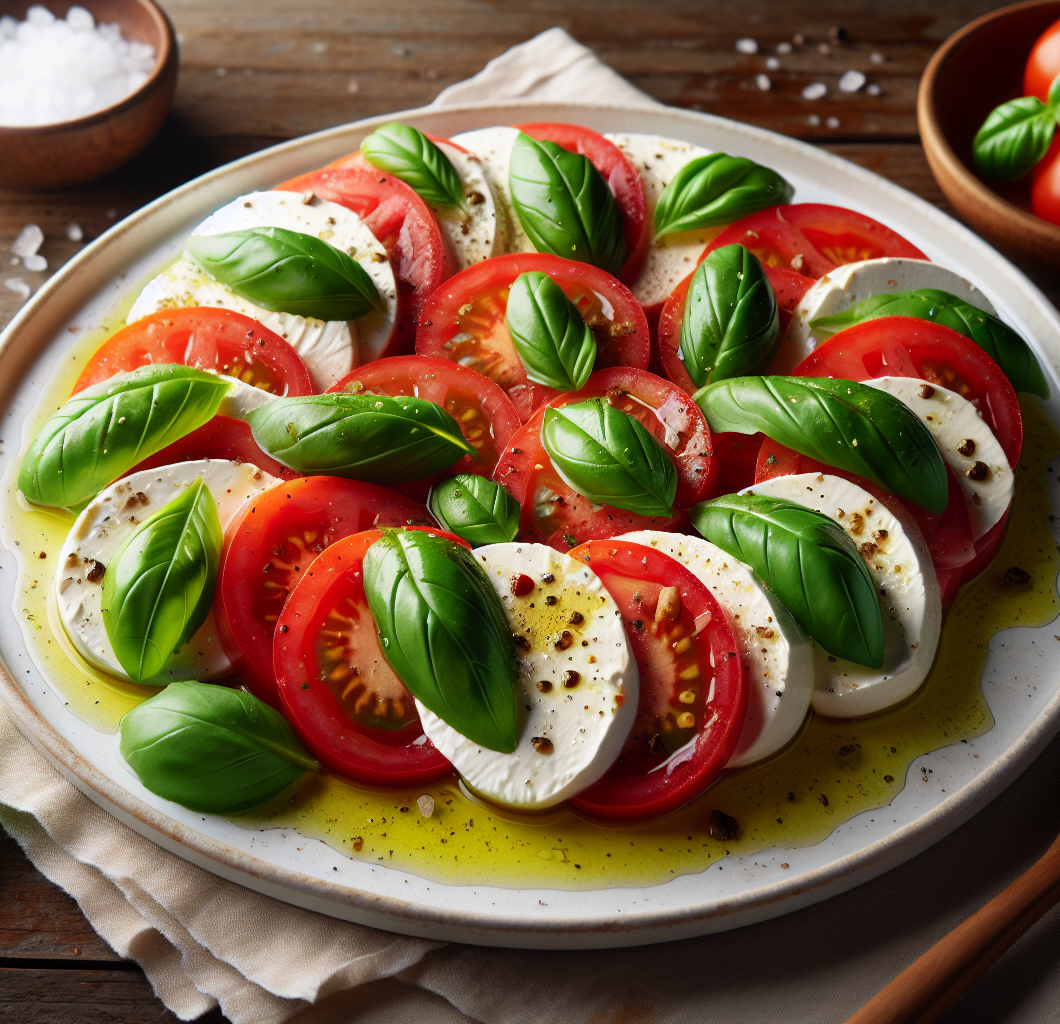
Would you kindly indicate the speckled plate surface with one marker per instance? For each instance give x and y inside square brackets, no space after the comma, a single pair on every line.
[317,877]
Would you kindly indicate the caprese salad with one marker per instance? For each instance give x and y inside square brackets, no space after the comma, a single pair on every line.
[585,467]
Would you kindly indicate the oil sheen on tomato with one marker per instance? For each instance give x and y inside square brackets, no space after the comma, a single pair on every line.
[831,772]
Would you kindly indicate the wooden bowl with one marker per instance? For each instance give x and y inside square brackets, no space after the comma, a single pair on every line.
[70,152]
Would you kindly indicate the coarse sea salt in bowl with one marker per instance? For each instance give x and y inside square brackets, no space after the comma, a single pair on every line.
[100,75]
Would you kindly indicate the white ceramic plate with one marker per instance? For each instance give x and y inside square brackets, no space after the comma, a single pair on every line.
[748,889]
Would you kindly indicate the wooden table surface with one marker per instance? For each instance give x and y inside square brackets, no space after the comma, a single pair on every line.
[255,72]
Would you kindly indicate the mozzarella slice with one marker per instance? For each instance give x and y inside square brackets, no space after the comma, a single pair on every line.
[101,529]
[478,234]
[906,584]
[330,348]
[580,728]
[242,398]
[852,283]
[967,444]
[671,258]
[778,655]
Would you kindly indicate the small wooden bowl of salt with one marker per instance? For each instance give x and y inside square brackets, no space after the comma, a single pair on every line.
[78,99]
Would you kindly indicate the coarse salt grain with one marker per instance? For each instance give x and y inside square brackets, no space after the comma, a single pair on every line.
[813,120]
[426,804]
[28,241]
[18,286]
[74,232]
[832,122]
[872,90]
[851,81]
[35,262]
[58,69]
[747,45]
[783,48]
[763,82]
[772,64]
[877,58]
[814,91]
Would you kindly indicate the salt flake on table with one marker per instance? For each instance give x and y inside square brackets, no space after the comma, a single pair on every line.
[763,82]
[851,81]
[877,58]
[832,122]
[35,262]
[772,64]
[74,232]
[813,120]
[747,45]
[28,241]
[872,90]
[783,48]
[814,91]
[18,286]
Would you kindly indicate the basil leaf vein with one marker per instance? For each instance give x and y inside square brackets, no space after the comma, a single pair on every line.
[476,509]
[409,155]
[443,630]
[1013,138]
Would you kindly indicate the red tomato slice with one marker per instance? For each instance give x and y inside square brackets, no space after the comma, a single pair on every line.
[486,416]
[621,176]
[1043,65]
[801,242]
[338,691]
[209,339]
[555,514]
[692,704]
[401,221]
[464,321]
[269,546]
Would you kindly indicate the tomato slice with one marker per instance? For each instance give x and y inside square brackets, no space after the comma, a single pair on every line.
[621,176]
[464,321]
[555,514]
[209,339]
[404,225]
[801,242]
[268,548]
[693,686]
[338,691]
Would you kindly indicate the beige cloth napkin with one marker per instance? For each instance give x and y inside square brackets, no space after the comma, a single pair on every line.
[204,941]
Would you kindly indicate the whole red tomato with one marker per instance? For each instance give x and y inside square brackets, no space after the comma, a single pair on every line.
[1043,65]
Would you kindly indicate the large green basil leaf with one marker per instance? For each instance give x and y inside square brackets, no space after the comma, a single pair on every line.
[443,630]
[102,432]
[994,337]
[383,439]
[475,509]
[731,325]
[838,422]
[408,154]
[211,748]
[553,340]
[607,456]
[718,189]
[287,272]
[565,206]
[809,562]
[1013,138]
[159,585]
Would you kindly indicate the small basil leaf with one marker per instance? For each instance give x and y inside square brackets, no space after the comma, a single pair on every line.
[608,457]
[1013,138]
[380,438]
[838,422]
[994,337]
[287,272]
[1052,98]
[102,432]
[553,341]
[565,206]
[476,509]
[444,632]
[731,325]
[211,748]
[159,586]
[718,189]
[809,562]
[409,155]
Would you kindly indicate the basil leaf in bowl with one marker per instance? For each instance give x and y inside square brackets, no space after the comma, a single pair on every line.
[1013,138]
[410,156]
[476,509]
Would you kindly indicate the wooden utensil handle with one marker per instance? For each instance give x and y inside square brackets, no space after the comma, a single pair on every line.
[934,982]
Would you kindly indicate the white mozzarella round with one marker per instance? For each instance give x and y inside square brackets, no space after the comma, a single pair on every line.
[778,655]
[671,258]
[477,233]
[107,522]
[852,283]
[242,398]
[330,348]
[906,584]
[958,428]
[580,729]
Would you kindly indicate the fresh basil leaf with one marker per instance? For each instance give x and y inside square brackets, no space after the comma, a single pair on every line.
[809,562]
[287,272]
[102,432]
[607,456]
[553,341]
[443,630]
[565,206]
[476,509]
[380,438]
[717,189]
[210,748]
[159,586]
[1052,97]
[409,155]
[838,422]
[994,337]
[1013,138]
[731,325]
